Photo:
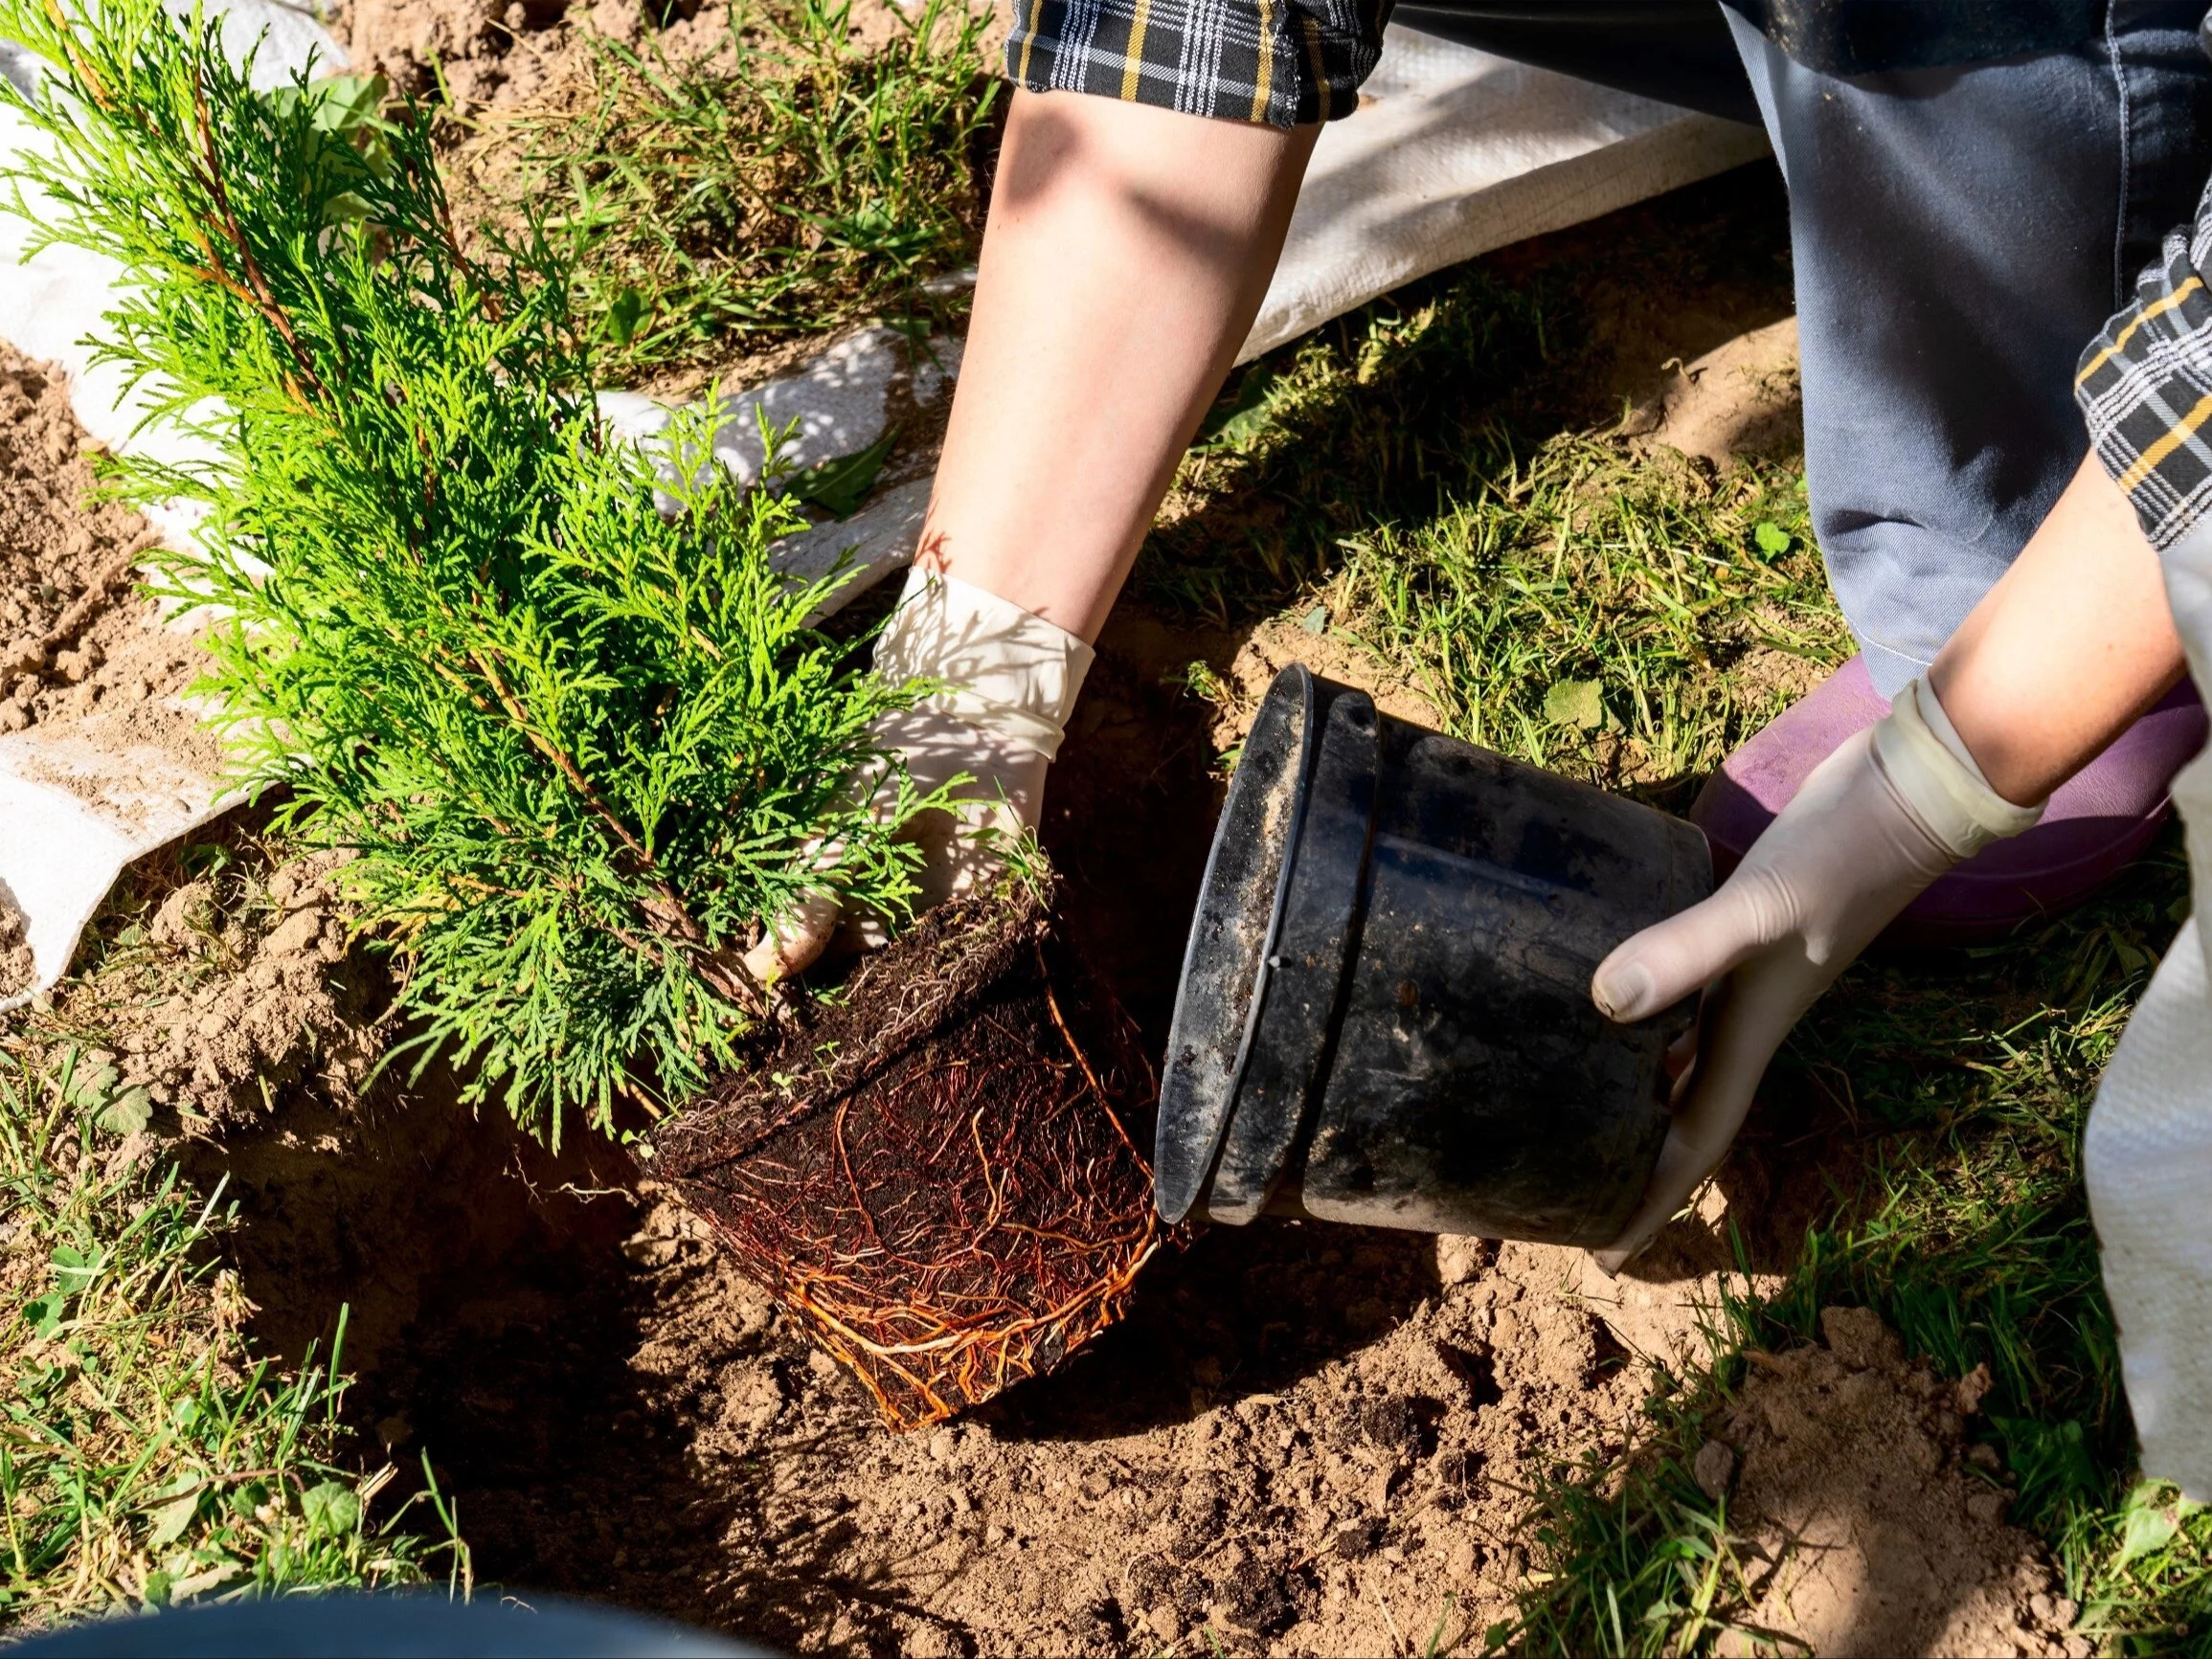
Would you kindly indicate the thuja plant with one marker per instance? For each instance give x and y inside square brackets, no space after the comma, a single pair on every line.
[580,743]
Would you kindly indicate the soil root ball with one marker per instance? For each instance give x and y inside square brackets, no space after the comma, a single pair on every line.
[938,1174]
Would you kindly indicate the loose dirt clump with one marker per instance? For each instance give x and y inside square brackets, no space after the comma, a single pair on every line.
[1874,1527]
[263,995]
[221,981]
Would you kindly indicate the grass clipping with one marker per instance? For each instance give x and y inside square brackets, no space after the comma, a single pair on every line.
[577,743]
[937,1175]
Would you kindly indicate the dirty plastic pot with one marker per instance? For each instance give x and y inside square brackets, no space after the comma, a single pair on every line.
[1385,1013]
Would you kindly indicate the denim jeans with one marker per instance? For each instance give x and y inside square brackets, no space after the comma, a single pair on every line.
[1958,235]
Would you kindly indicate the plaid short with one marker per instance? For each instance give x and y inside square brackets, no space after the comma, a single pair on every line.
[2145,388]
[1285,62]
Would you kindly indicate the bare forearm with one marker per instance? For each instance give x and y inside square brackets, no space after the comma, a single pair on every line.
[1128,252]
[2072,646]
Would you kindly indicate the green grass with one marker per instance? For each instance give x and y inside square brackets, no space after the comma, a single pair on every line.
[147,1457]
[1553,594]
[786,184]
[1615,619]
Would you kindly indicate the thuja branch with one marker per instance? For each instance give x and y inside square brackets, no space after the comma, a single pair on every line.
[256,287]
[580,748]
[666,906]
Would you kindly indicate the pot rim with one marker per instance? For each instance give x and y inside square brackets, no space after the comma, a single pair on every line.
[1184,1162]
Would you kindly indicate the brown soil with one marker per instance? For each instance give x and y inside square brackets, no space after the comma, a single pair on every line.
[1281,640]
[1739,398]
[1872,1527]
[497,58]
[17,965]
[263,996]
[83,659]
[53,549]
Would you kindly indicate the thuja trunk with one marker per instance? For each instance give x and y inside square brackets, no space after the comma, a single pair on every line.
[938,1175]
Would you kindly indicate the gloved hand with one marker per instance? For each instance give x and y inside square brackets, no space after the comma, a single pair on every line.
[1011,679]
[1877,822]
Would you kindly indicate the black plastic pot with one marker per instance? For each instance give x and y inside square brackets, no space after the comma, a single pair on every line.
[1385,1014]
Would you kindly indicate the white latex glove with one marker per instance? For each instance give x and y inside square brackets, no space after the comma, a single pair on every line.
[1012,676]
[1878,820]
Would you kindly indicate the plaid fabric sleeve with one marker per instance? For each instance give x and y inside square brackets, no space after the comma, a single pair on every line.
[2145,387]
[1286,62]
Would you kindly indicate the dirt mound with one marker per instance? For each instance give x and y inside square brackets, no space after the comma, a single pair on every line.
[1873,1527]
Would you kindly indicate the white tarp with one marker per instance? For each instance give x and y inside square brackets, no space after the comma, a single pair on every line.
[1453,152]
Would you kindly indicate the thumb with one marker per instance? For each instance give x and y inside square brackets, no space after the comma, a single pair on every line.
[1682,1165]
[793,940]
[1672,959]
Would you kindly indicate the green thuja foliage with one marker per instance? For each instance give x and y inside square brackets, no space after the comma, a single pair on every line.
[580,743]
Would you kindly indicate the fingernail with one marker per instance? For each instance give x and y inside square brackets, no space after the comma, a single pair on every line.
[1621,993]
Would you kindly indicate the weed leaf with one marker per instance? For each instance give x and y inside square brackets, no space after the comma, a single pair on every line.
[838,486]
[1575,703]
[73,1269]
[624,315]
[174,1518]
[127,1113]
[332,1509]
[44,1313]
[2150,1526]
